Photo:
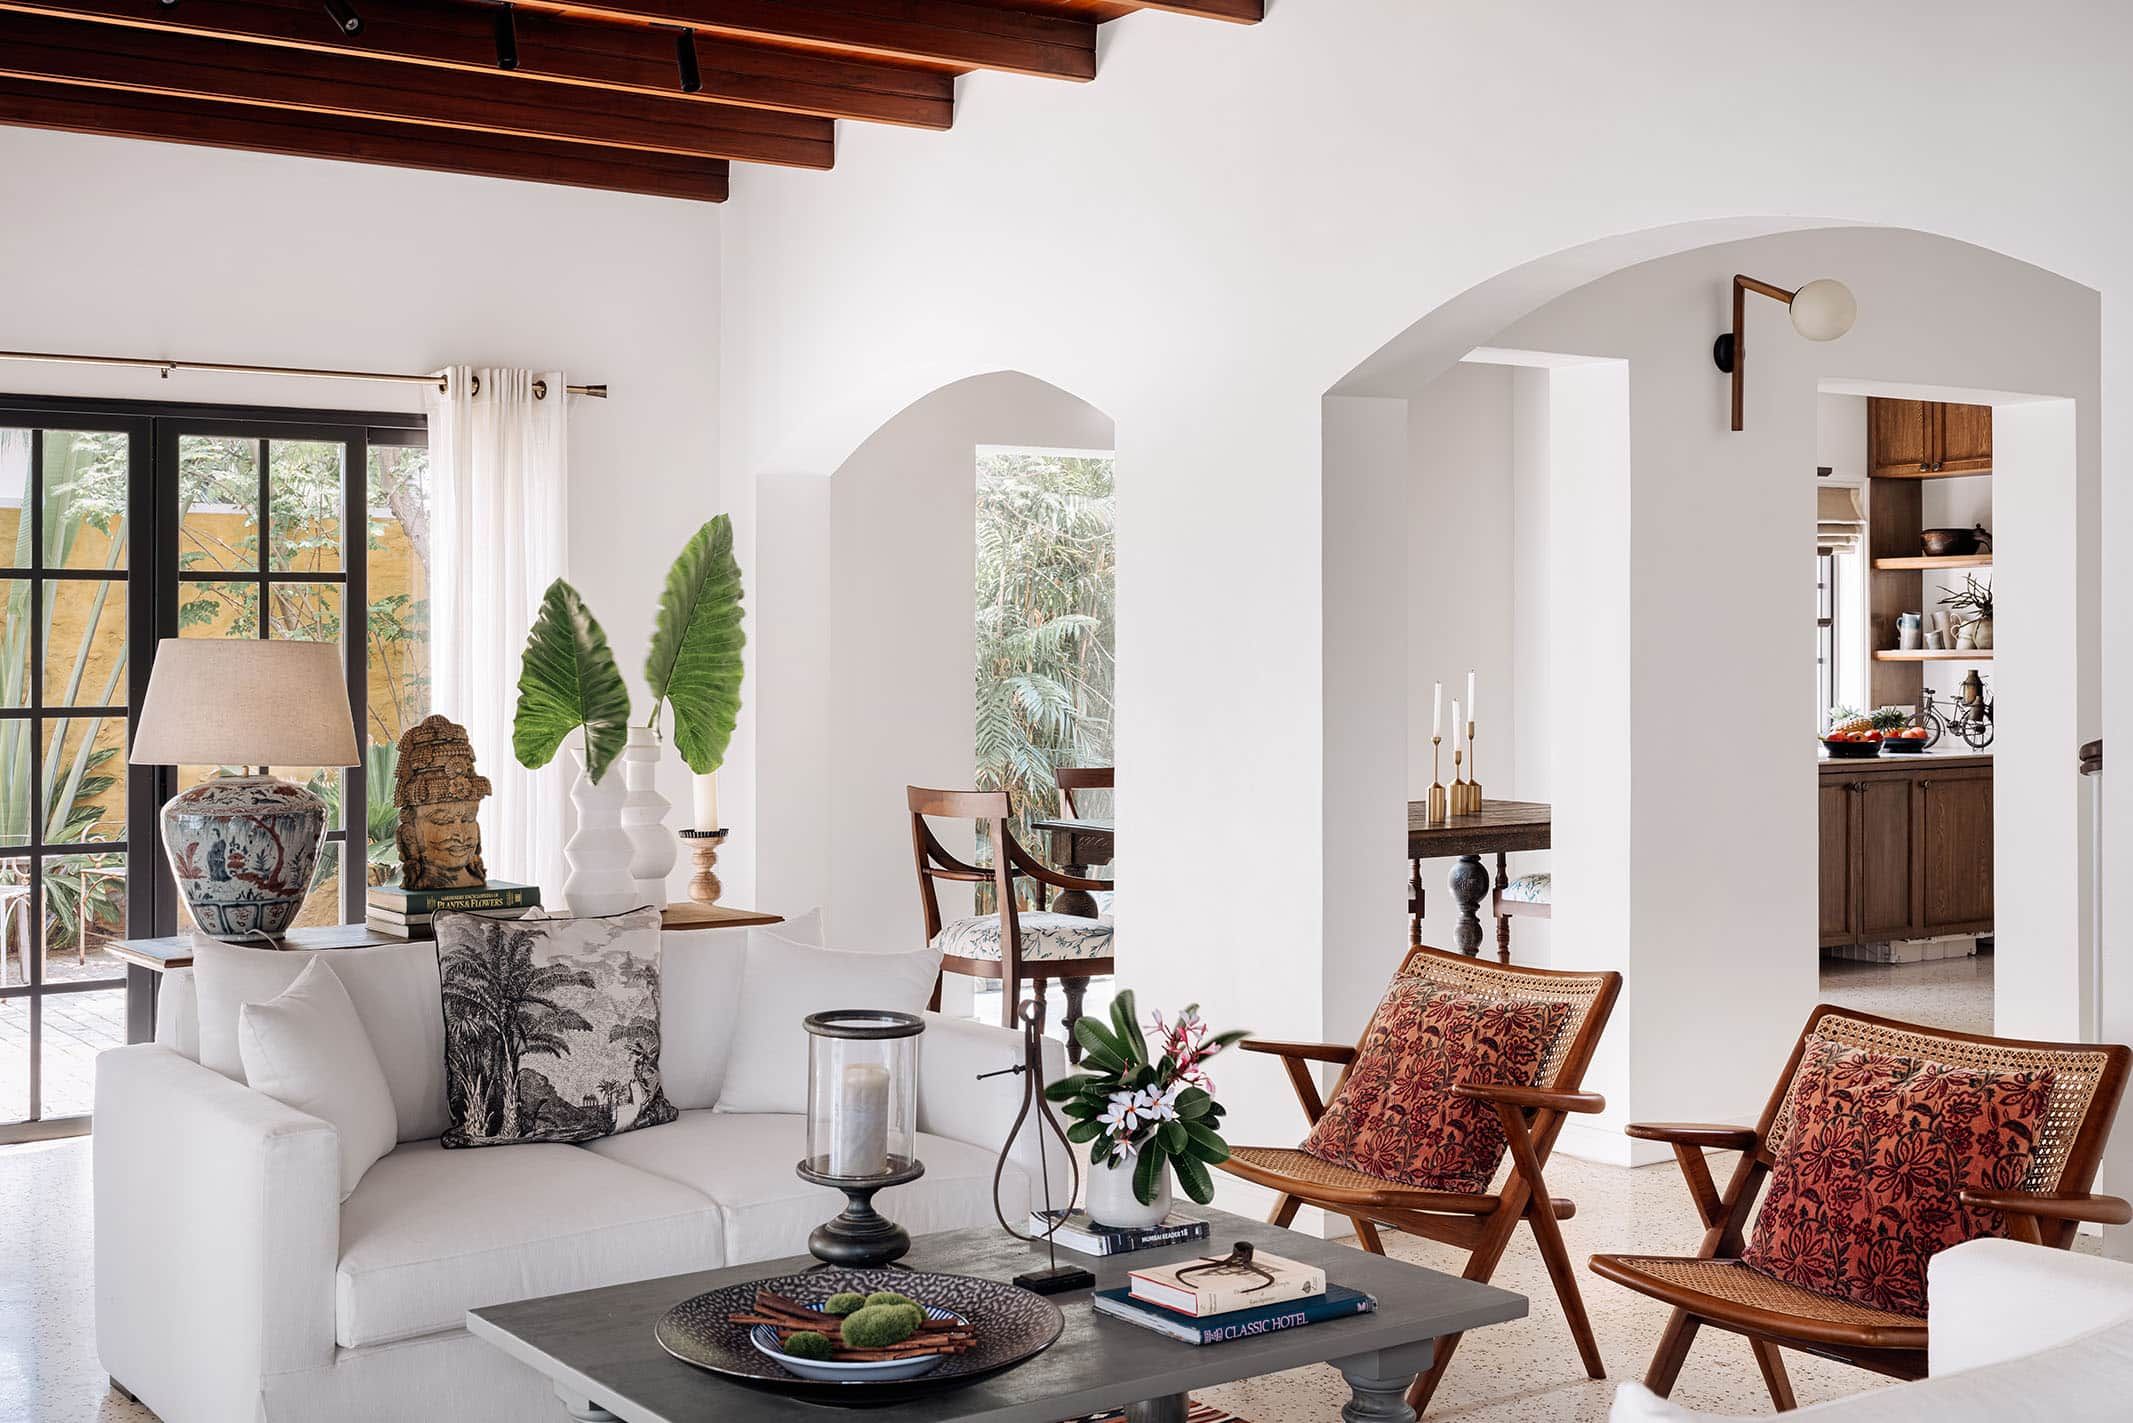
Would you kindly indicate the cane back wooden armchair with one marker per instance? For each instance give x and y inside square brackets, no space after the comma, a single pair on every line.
[1532,1117]
[1012,944]
[1715,1287]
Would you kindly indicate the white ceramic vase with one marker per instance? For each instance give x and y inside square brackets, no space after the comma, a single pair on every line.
[1111,1200]
[599,853]
[644,817]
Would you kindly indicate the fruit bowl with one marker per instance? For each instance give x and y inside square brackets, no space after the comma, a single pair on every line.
[1847,750]
[1905,746]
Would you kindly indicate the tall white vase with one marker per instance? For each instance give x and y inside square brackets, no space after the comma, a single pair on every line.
[644,817]
[599,881]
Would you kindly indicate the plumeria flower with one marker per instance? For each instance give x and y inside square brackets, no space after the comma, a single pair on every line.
[1158,1105]
[1122,1116]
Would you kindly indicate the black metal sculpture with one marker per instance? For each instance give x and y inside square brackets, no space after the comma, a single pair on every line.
[1055,1278]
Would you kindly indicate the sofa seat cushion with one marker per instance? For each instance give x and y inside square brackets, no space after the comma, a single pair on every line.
[745,1163]
[1046,937]
[431,1234]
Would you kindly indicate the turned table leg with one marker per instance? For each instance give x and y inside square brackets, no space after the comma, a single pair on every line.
[1377,1383]
[1469,885]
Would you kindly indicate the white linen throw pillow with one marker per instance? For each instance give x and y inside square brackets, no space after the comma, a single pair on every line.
[781,983]
[700,1003]
[307,1049]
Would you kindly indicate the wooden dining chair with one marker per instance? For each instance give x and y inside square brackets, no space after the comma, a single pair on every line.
[1083,778]
[1530,896]
[1011,944]
[1717,1287]
[1480,1222]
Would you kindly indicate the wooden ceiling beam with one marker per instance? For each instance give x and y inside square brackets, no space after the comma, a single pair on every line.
[185,66]
[949,34]
[629,58]
[39,104]
[1240,12]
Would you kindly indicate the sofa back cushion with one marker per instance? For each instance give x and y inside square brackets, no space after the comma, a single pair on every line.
[782,983]
[308,1049]
[395,991]
[700,1003]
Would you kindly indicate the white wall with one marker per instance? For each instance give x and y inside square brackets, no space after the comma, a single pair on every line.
[867,647]
[1233,217]
[124,248]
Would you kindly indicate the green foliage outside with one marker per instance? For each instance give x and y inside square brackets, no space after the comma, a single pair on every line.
[1046,572]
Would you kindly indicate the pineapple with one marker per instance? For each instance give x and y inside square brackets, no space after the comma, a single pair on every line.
[1847,719]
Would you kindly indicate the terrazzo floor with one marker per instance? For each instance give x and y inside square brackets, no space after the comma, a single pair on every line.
[1512,1373]
[1948,993]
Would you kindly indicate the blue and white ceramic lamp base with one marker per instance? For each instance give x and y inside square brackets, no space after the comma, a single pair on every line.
[243,850]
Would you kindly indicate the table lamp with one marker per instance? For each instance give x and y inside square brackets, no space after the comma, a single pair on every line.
[243,847]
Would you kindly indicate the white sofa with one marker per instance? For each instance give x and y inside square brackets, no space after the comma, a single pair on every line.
[233,1284]
[2019,1332]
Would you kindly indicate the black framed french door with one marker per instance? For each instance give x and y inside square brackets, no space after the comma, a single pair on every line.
[133,523]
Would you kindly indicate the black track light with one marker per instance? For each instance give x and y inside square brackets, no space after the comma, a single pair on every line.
[506,38]
[345,19]
[692,78]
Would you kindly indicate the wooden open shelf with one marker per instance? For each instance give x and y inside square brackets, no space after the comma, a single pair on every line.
[1954,560]
[1932,474]
[1937,654]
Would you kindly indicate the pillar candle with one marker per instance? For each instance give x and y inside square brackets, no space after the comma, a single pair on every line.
[859,1122]
[706,818]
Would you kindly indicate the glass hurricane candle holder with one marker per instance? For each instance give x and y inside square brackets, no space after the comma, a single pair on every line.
[862,1127]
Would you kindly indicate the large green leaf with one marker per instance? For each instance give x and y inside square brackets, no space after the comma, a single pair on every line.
[694,664]
[569,680]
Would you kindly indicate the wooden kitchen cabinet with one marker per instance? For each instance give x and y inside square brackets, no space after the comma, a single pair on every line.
[1927,439]
[1906,848]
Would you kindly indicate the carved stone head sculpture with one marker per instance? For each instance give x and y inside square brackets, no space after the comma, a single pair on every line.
[438,795]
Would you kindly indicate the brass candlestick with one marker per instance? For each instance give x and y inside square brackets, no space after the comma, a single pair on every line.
[1473,780]
[1458,790]
[1439,805]
[703,845]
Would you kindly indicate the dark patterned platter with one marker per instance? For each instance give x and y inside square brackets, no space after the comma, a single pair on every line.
[1011,1323]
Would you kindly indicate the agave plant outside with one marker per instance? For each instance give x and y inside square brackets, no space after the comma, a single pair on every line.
[1154,1108]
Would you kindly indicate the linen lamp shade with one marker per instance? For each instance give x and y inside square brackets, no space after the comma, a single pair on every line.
[245,702]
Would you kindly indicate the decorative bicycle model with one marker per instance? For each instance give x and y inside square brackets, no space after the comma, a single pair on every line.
[1967,714]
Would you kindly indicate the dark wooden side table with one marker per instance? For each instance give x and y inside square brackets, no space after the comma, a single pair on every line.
[1078,846]
[1500,827]
[147,960]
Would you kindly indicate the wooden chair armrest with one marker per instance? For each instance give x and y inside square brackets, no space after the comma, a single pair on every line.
[1532,1098]
[2094,1209]
[1717,1135]
[1341,1053]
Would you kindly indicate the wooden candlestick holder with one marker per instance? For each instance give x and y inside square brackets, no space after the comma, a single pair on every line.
[703,845]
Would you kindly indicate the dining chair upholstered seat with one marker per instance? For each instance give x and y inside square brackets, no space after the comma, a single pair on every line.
[1530,889]
[1046,938]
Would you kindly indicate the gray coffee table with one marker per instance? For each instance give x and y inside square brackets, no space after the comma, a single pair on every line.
[598,1349]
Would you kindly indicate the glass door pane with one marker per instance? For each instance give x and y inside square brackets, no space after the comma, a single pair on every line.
[69,503]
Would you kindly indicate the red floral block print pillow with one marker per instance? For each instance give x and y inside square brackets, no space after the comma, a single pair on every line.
[1866,1188]
[1395,1117]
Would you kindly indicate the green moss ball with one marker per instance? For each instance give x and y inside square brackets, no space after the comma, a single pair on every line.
[844,1303]
[807,1344]
[889,1297]
[879,1325]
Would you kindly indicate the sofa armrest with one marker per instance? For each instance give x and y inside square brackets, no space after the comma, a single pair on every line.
[1993,1300]
[217,1232]
[952,1102]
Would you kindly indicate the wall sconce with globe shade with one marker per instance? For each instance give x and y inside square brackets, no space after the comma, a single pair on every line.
[1822,310]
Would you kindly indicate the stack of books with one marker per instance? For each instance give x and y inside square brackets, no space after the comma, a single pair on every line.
[1209,1307]
[406,913]
[1084,1236]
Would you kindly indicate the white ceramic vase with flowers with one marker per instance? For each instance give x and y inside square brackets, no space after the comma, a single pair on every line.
[1145,1111]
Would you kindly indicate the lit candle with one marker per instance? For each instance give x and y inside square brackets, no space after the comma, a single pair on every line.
[1456,724]
[707,802]
[1469,695]
[859,1122]
[1436,710]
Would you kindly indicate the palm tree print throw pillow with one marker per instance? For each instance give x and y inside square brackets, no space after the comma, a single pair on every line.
[551,1027]
[1396,1116]
[1866,1187]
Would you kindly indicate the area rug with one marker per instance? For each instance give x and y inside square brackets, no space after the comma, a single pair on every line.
[1198,1413]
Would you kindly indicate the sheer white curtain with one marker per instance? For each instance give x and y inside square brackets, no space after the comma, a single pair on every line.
[497,471]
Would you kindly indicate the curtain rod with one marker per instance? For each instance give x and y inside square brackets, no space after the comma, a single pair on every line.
[540,387]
